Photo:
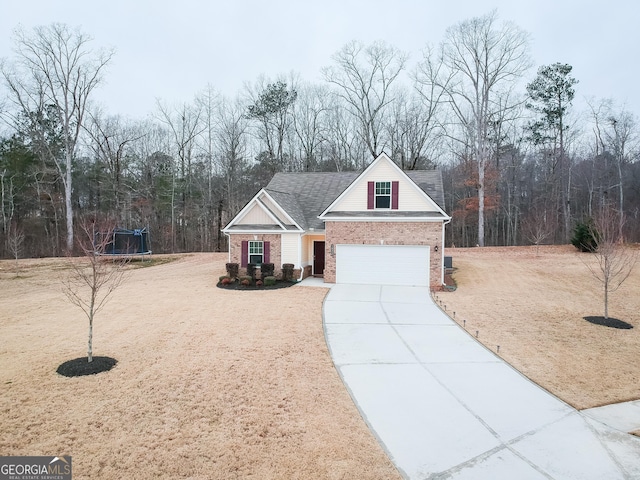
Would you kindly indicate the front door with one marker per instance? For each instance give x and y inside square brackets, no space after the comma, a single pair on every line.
[318,258]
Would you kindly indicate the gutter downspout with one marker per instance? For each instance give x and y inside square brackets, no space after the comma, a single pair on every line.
[447,222]
[300,258]
[228,246]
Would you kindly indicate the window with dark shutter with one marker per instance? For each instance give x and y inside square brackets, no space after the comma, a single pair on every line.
[383,195]
[371,193]
[244,255]
[256,252]
[267,252]
[394,195]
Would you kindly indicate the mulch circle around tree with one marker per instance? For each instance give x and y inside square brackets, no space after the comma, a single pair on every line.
[238,286]
[609,322]
[80,366]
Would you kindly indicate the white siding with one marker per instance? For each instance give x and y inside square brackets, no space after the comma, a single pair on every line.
[410,198]
[289,248]
[257,216]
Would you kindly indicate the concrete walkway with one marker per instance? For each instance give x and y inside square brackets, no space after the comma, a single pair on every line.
[443,406]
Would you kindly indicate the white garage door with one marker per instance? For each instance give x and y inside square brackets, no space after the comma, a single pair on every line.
[383,264]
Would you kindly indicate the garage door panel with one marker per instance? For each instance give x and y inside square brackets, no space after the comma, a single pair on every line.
[383,264]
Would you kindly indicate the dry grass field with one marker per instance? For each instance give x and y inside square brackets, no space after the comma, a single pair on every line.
[210,384]
[532,303]
[215,384]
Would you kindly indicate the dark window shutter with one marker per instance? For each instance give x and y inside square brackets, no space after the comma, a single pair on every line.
[244,258]
[394,195]
[266,250]
[371,195]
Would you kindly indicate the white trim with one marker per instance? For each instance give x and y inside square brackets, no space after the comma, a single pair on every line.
[261,242]
[293,222]
[387,219]
[268,211]
[443,252]
[258,232]
[256,200]
[242,212]
[402,174]
[376,195]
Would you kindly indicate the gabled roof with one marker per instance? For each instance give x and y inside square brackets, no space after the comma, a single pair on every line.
[281,219]
[312,193]
[304,196]
[430,182]
[425,183]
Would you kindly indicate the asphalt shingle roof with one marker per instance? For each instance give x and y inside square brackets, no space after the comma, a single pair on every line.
[313,192]
[304,196]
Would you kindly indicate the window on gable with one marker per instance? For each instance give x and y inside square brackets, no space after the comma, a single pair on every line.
[383,195]
[256,252]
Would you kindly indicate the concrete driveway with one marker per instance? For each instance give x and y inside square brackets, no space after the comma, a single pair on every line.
[443,406]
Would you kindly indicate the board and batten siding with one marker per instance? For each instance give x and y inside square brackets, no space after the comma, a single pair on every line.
[256,216]
[275,209]
[409,197]
[289,248]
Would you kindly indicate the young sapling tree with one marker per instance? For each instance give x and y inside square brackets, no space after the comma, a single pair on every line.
[614,261]
[93,277]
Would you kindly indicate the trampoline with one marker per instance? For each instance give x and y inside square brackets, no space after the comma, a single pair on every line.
[124,242]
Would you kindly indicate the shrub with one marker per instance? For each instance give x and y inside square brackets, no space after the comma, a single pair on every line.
[226,281]
[585,237]
[222,277]
[251,270]
[246,282]
[233,269]
[258,283]
[247,278]
[287,272]
[269,281]
[267,269]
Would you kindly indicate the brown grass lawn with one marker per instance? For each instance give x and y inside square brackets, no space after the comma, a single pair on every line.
[210,384]
[215,384]
[533,304]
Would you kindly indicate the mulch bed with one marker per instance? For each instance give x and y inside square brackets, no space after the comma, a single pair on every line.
[79,367]
[237,286]
[609,322]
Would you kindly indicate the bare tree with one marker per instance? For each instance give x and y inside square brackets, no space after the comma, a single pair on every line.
[111,138]
[623,139]
[57,71]
[184,123]
[231,145]
[93,278]
[614,261]
[15,239]
[413,132]
[309,113]
[364,76]
[340,141]
[538,226]
[478,63]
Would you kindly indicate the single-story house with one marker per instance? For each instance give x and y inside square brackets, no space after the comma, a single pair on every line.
[381,225]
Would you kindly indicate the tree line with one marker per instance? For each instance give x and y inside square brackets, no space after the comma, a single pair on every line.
[520,164]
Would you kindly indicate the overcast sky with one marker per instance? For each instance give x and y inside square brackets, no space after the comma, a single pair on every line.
[173,49]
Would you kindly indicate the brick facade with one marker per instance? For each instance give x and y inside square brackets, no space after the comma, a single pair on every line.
[275,255]
[392,233]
